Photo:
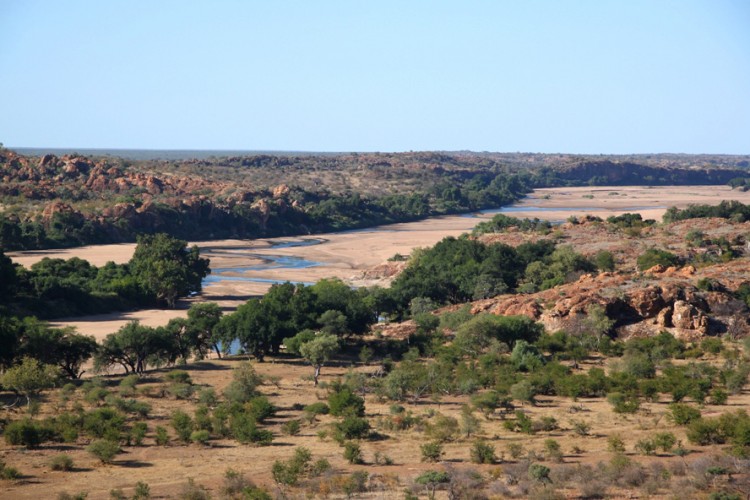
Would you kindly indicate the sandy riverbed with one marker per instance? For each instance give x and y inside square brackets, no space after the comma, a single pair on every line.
[346,255]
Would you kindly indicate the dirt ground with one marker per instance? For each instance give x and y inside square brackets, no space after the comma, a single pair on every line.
[167,469]
[346,255]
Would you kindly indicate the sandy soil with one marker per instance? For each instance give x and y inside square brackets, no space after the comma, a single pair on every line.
[345,255]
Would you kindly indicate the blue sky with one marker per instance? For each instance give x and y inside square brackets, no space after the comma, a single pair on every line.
[599,76]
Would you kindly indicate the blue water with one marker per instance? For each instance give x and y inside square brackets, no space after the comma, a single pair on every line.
[269,262]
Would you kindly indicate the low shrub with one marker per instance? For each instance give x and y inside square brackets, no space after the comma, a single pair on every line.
[104,450]
[431,452]
[61,462]
[353,453]
[483,453]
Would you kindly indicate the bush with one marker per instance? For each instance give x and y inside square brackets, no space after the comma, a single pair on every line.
[645,446]
[104,423]
[138,432]
[245,430]
[539,472]
[552,450]
[344,401]
[61,462]
[353,453]
[654,256]
[665,441]
[183,425]
[104,450]
[8,473]
[442,429]
[682,414]
[289,473]
[604,261]
[351,427]
[23,433]
[482,453]
[623,403]
[200,437]
[319,408]
[245,382]
[705,431]
[260,408]
[142,491]
[291,427]
[208,397]
[615,444]
[178,377]
[431,452]
[162,438]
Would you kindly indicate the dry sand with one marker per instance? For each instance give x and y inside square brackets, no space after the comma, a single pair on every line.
[345,255]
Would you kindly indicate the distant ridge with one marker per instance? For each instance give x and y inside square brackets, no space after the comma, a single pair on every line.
[163,154]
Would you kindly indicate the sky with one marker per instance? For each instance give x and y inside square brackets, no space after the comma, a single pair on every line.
[557,76]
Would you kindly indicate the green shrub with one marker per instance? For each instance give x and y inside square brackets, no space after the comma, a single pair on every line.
[615,444]
[552,450]
[162,437]
[539,472]
[245,382]
[289,473]
[718,396]
[645,446]
[23,433]
[245,430]
[182,424]
[705,431]
[604,261]
[682,414]
[104,423]
[353,453]
[442,428]
[142,491]
[665,441]
[128,384]
[344,401]
[431,452]
[8,473]
[138,433]
[623,403]
[180,390]
[654,256]
[178,377]
[260,408]
[104,450]
[351,427]
[200,437]
[61,462]
[291,427]
[483,453]
[515,450]
[207,396]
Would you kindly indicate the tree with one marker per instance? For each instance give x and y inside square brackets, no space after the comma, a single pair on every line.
[7,275]
[318,351]
[133,346]
[201,320]
[166,268]
[29,378]
[57,346]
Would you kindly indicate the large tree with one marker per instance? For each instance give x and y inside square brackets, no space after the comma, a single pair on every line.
[166,268]
[134,346]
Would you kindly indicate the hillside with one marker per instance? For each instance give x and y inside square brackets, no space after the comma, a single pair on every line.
[51,201]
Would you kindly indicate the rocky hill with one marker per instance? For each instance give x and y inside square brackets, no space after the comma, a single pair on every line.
[700,297]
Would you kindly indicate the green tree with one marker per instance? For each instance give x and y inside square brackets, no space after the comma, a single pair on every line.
[201,321]
[167,268]
[29,378]
[133,346]
[57,346]
[318,351]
